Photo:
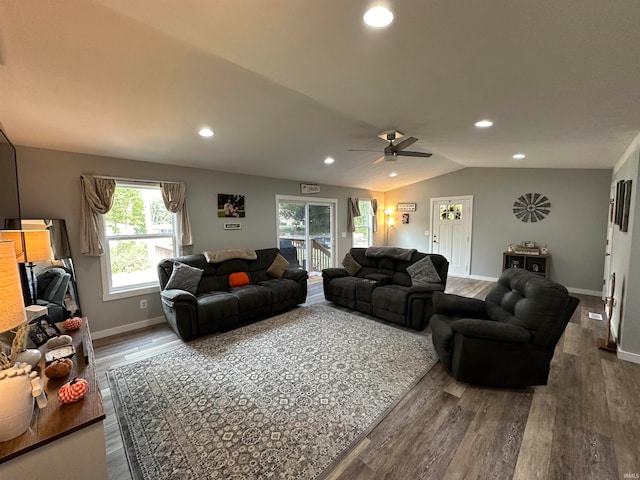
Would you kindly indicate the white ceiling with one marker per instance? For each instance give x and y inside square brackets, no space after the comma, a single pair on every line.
[285,83]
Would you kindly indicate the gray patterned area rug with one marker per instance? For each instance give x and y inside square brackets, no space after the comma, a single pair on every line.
[286,397]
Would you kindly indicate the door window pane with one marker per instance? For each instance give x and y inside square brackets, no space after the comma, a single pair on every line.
[451,211]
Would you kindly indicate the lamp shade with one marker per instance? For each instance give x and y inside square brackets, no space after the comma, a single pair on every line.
[12,312]
[37,244]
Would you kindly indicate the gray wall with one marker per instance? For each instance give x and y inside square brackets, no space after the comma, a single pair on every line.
[50,188]
[625,261]
[574,231]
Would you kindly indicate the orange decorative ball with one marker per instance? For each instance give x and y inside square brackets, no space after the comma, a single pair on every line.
[73,391]
[72,323]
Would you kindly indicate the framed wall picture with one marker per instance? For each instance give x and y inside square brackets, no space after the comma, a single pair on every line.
[405,218]
[626,206]
[306,188]
[231,205]
[619,201]
[406,207]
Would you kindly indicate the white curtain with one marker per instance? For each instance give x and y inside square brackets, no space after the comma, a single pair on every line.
[353,210]
[175,200]
[97,199]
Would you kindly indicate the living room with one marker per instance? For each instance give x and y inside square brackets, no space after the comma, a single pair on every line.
[129,102]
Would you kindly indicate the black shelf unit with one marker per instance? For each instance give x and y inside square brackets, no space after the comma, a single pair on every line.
[538,264]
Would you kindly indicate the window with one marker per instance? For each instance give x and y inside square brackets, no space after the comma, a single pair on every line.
[138,232]
[451,211]
[363,236]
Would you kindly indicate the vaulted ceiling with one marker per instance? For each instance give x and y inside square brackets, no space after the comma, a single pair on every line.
[286,83]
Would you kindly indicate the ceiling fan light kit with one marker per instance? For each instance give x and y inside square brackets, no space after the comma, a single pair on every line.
[392,151]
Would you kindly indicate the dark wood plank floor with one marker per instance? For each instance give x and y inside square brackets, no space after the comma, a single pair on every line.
[584,424]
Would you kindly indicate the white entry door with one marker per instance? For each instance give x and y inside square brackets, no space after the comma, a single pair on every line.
[451,232]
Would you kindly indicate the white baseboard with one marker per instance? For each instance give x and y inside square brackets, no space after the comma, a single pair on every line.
[486,279]
[582,291]
[628,356]
[126,328]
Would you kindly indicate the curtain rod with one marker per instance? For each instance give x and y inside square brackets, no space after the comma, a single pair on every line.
[139,180]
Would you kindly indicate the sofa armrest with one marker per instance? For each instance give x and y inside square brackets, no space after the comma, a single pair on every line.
[491,330]
[450,304]
[332,273]
[174,295]
[295,274]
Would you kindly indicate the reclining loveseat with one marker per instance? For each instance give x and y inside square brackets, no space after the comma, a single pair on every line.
[214,291]
[392,283]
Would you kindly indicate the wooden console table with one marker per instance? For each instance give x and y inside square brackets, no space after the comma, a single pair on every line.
[64,441]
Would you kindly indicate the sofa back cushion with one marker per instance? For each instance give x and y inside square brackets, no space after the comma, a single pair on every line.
[532,302]
[215,276]
[396,269]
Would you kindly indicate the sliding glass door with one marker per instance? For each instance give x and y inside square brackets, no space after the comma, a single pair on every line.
[306,232]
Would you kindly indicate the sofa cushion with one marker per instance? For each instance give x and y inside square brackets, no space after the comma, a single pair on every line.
[392,298]
[252,297]
[184,277]
[281,289]
[350,265]
[217,306]
[423,271]
[278,266]
[238,279]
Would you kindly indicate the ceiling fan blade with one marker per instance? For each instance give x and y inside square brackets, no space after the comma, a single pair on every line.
[415,154]
[379,159]
[404,144]
[360,150]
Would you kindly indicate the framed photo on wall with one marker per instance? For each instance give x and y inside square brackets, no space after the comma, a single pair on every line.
[626,206]
[231,205]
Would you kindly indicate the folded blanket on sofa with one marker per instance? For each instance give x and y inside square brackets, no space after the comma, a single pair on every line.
[218,256]
[396,253]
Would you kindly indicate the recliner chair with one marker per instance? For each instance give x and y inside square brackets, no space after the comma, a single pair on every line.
[52,287]
[507,340]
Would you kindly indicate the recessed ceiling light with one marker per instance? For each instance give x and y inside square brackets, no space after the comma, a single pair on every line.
[378,17]
[519,156]
[329,160]
[393,174]
[206,132]
[484,123]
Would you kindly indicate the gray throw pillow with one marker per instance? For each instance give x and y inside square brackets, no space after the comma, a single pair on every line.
[184,277]
[423,271]
[351,265]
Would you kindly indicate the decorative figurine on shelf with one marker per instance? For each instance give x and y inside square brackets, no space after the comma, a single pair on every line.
[544,250]
[510,248]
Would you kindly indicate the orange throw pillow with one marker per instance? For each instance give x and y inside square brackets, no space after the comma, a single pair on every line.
[239,279]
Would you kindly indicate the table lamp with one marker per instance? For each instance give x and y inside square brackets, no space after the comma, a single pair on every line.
[16,388]
[37,248]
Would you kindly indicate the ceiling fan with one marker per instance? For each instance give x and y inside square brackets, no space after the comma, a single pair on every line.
[392,151]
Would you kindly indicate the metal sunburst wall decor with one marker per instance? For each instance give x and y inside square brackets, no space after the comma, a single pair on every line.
[531,207]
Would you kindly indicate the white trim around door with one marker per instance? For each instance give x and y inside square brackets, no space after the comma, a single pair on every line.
[451,231]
